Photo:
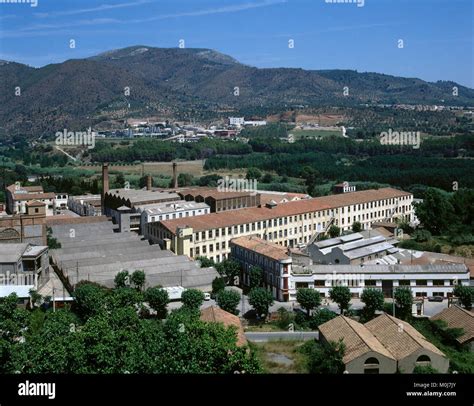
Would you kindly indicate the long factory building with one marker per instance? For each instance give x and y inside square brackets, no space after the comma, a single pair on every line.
[291,224]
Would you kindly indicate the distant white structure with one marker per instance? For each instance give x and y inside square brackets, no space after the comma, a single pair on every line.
[255,123]
[237,121]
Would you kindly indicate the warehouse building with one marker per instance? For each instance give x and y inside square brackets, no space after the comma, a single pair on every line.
[290,224]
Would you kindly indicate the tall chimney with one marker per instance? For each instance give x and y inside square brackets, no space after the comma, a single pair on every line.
[149,182]
[105,184]
[175,175]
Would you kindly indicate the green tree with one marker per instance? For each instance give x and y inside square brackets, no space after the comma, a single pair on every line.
[192,299]
[255,275]
[421,235]
[206,262]
[342,296]
[403,301]
[138,279]
[228,300]
[253,173]
[435,212]
[425,369]
[185,179]
[356,227]
[218,284]
[326,358]
[89,299]
[230,270]
[158,299]
[334,231]
[122,279]
[465,295]
[261,300]
[308,298]
[321,316]
[311,177]
[373,300]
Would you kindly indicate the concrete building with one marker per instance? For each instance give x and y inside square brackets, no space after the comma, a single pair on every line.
[290,224]
[60,201]
[343,187]
[25,228]
[236,121]
[364,354]
[85,205]
[22,267]
[385,344]
[167,211]
[408,346]
[273,259]
[131,198]
[91,250]
[423,280]
[352,249]
[18,196]
[221,201]
[459,318]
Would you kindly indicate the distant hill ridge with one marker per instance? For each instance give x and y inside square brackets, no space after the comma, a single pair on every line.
[172,81]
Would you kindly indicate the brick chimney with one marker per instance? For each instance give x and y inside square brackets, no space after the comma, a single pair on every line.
[105,184]
[175,175]
[149,182]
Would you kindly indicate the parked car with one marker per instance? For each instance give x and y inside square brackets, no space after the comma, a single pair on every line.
[435,299]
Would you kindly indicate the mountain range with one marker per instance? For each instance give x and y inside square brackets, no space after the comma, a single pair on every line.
[143,81]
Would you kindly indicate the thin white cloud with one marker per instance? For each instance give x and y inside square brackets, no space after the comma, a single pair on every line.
[102,7]
[42,29]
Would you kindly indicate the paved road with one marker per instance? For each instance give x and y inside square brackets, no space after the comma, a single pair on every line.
[281,335]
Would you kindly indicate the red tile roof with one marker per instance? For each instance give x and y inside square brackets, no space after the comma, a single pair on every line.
[262,247]
[215,314]
[254,214]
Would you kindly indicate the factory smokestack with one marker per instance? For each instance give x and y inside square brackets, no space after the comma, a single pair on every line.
[175,175]
[149,182]
[105,184]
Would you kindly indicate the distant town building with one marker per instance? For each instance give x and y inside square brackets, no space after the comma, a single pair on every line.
[344,187]
[85,205]
[17,197]
[237,121]
[29,227]
[60,201]
[221,201]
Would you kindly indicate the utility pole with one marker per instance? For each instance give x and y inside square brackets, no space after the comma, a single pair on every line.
[54,301]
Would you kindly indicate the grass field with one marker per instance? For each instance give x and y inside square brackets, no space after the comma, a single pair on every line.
[281,357]
[315,133]
[195,168]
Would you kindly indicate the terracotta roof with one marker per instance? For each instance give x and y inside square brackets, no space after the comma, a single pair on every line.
[33,196]
[399,337]
[457,317]
[13,188]
[253,214]
[357,338]
[262,247]
[35,203]
[215,314]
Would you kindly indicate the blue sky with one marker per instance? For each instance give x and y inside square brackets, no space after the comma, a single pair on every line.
[437,34]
